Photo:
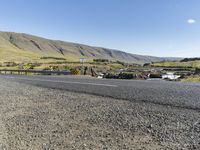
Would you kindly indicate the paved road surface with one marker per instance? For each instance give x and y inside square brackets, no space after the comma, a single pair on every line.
[186,95]
[152,115]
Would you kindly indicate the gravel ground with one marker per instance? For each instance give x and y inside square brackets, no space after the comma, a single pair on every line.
[40,118]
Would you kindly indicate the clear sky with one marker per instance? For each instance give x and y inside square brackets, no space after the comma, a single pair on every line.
[147,27]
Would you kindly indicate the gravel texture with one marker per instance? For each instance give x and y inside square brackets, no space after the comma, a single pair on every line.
[186,95]
[42,118]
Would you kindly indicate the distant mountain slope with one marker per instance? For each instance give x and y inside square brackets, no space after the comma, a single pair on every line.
[20,46]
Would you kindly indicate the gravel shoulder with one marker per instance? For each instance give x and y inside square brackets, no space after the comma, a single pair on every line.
[41,118]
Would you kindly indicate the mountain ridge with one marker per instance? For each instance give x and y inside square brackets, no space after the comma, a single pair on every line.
[36,47]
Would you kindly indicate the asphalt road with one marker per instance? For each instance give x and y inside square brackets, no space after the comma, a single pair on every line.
[183,95]
[147,115]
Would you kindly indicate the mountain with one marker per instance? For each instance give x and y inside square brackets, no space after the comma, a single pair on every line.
[21,47]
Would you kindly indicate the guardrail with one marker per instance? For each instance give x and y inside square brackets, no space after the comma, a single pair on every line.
[43,72]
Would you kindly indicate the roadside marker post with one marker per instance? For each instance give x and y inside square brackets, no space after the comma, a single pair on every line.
[82,60]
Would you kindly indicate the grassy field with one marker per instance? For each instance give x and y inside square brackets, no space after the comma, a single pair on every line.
[22,56]
[11,53]
[24,60]
[12,57]
[189,64]
[17,55]
[179,64]
[195,78]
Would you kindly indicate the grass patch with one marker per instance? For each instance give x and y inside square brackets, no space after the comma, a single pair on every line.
[178,64]
[55,58]
[195,78]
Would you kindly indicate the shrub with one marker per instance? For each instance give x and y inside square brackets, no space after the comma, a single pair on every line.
[75,71]
[189,59]
[64,68]
[146,65]
[28,67]
[10,64]
[100,60]
[120,62]
[110,76]
[125,76]
[55,58]
[158,75]
[52,68]
[119,76]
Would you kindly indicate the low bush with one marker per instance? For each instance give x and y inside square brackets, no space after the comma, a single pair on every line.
[55,58]
[119,76]
[75,71]
[158,75]
[9,64]
[100,60]
[120,62]
[125,76]
[189,59]
[52,68]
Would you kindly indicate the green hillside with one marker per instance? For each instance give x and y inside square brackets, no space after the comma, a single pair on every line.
[20,47]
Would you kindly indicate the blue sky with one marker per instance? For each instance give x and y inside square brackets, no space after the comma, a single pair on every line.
[147,27]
